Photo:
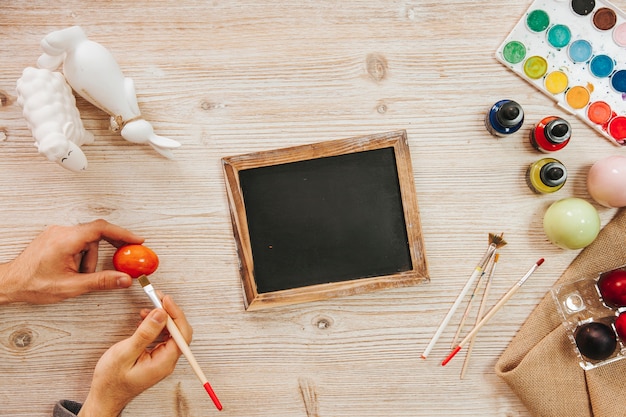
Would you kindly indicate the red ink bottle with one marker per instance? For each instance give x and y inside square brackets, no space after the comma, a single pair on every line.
[551,134]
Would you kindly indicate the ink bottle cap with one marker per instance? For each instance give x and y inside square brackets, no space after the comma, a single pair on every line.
[546,176]
[558,131]
[550,134]
[510,114]
[504,118]
[553,174]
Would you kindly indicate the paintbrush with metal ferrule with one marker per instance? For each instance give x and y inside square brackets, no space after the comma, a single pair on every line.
[481,311]
[180,340]
[470,303]
[495,242]
[493,311]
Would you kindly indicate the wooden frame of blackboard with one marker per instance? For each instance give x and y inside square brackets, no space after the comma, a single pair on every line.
[415,273]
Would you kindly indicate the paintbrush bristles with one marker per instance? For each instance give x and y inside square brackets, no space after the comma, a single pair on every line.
[143,280]
[497,240]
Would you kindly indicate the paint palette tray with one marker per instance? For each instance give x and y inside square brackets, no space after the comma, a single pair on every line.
[574,52]
[583,309]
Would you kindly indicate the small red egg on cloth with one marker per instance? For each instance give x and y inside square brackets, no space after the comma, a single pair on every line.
[612,286]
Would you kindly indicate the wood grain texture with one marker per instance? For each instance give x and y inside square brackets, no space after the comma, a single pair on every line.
[228,78]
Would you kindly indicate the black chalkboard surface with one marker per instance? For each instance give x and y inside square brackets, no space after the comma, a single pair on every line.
[323,220]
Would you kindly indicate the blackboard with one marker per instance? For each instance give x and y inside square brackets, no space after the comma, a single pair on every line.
[328,219]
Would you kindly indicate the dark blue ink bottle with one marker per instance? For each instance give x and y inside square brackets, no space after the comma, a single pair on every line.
[504,118]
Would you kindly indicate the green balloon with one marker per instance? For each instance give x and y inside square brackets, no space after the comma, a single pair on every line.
[571,223]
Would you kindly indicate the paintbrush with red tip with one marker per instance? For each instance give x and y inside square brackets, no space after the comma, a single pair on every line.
[180,341]
[493,311]
[495,241]
[139,261]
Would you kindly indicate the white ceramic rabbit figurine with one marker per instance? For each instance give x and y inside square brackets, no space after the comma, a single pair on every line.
[49,108]
[93,73]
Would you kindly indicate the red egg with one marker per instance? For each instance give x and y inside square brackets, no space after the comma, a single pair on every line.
[612,286]
[135,260]
[620,326]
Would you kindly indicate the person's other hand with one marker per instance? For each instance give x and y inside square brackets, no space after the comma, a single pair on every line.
[61,263]
[130,367]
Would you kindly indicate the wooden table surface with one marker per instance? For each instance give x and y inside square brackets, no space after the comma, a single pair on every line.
[233,77]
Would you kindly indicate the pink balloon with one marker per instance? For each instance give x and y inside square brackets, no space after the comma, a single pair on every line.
[606,181]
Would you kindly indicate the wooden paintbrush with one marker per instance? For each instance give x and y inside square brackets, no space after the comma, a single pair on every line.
[470,302]
[493,311]
[495,242]
[180,340]
[481,311]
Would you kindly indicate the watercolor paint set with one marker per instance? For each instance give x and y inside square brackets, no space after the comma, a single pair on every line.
[592,311]
[574,52]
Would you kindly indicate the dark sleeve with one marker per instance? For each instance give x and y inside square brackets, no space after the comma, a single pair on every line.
[66,408]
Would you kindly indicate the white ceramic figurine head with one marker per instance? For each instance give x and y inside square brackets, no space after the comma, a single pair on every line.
[49,108]
[93,73]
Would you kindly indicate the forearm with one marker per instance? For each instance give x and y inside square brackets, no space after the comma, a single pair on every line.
[16,283]
[89,412]
[7,292]
[97,408]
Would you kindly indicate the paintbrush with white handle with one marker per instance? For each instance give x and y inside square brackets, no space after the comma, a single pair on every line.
[493,311]
[495,242]
[481,311]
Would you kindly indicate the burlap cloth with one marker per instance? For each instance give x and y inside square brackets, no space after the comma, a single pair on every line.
[540,364]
